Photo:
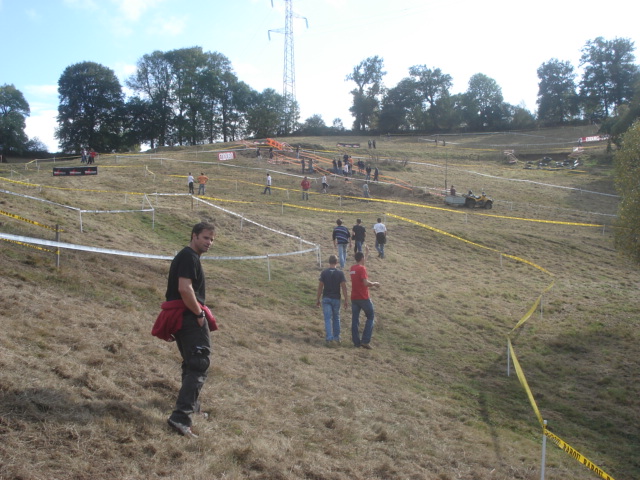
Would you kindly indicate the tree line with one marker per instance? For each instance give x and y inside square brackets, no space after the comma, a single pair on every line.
[422,102]
[189,96]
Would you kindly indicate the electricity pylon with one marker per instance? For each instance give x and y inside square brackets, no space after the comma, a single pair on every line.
[289,74]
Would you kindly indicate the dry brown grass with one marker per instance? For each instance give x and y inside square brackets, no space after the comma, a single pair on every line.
[85,390]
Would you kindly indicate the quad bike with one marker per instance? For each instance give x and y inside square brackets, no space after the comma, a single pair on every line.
[480,201]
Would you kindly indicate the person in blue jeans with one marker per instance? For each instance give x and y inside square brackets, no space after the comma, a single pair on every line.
[331,282]
[381,237]
[342,241]
[360,300]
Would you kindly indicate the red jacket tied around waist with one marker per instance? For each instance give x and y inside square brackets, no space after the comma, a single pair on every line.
[169,320]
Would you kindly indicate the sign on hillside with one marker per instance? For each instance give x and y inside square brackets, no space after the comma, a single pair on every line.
[74,171]
[350,145]
[224,156]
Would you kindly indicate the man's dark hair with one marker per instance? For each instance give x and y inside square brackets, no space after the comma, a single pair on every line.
[359,256]
[339,221]
[379,220]
[198,228]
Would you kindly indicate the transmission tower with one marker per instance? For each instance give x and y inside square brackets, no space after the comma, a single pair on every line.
[289,73]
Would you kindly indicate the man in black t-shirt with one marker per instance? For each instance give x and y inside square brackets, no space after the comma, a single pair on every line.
[187,283]
[331,282]
[359,233]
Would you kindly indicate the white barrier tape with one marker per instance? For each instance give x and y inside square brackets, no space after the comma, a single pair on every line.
[38,199]
[111,251]
[230,212]
[117,211]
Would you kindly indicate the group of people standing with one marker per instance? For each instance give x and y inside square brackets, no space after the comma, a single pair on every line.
[202,182]
[88,157]
[332,283]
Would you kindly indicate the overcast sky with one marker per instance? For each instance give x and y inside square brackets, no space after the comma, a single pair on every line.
[505,40]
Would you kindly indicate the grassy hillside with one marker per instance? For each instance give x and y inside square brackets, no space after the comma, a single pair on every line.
[85,389]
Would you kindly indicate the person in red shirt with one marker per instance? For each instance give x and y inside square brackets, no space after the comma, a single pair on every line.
[305,184]
[360,300]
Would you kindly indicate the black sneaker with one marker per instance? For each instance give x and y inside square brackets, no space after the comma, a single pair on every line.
[182,429]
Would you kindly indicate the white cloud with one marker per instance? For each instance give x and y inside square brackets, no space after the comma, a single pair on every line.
[43,125]
[41,90]
[168,26]
[32,13]
[133,10]
[83,4]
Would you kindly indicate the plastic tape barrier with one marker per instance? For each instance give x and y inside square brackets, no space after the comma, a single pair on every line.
[577,455]
[32,222]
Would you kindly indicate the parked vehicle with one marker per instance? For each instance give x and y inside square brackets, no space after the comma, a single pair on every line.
[470,200]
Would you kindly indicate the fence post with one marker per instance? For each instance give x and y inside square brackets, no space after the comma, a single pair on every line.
[57,249]
[544,451]
[268,267]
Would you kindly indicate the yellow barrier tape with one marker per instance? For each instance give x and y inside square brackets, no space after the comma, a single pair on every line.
[523,382]
[33,222]
[577,455]
[31,246]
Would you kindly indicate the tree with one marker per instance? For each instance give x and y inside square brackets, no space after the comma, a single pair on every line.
[13,112]
[91,108]
[627,175]
[433,86]
[558,101]
[153,79]
[265,113]
[609,74]
[483,104]
[367,76]
[314,125]
[401,108]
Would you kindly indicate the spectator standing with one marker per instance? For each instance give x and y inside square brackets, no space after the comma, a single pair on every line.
[186,319]
[453,191]
[302,162]
[202,181]
[335,166]
[359,234]
[376,173]
[342,241]
[360,300]
[325,185]
[331,282]
[381,237]
[84,156]
[305,184]
[365,190]
[190,183]
[368,172]
[268,185]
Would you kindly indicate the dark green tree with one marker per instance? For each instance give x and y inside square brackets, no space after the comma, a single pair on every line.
[483,104]
[91,108]
[14,110]
[401,108]
[154,80]
[609,74]
[314,125]
[433,87]
[558,100]
[367,76]
[627,175]
[265,113]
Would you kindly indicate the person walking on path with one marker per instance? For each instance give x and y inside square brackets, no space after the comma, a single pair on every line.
[331,282]
[381,237]
[187,320]
[305,184]
[359,234]
[268,185]
[190,182]
[202,181]
[342,241]
[360,300]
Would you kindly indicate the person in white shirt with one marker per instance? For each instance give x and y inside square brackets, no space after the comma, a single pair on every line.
[381,237]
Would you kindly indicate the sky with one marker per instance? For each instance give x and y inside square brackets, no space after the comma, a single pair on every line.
[504,40]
